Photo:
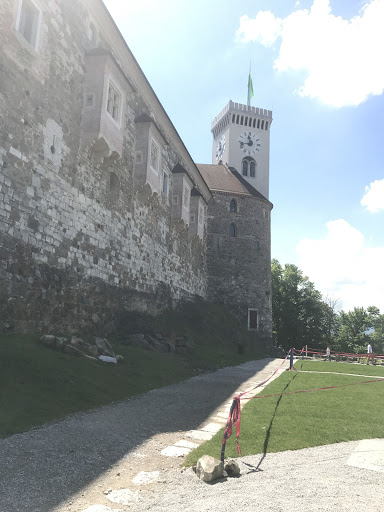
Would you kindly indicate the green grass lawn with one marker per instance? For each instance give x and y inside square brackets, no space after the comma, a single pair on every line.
[302,420]
[38,384]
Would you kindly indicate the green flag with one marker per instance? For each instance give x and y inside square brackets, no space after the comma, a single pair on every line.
[250,88]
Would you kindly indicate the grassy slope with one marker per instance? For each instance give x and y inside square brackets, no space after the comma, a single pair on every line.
[38,385]
[310,419]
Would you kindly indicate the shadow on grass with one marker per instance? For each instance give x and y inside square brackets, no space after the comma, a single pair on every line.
[45,467]
[255,469]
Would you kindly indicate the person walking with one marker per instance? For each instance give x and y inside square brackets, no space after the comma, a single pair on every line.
[369,353]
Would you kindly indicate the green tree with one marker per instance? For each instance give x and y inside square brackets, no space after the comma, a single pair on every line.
[355,325]
[298,311]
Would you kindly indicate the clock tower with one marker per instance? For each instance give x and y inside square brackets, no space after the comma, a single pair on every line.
[241,140]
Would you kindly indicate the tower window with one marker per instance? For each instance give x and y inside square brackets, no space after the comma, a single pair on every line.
[253,320]
[262,124]
[266,125]
[246,121]
[248,164]
[237,119]
[258,123]
[233,118]
[233,231]
[241,120]
[233,206]
[254,123]
[28,22]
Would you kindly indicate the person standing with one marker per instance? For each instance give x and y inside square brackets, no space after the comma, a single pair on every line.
[369,353]
[328,354]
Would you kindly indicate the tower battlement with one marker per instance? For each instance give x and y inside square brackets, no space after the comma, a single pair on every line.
[233,107]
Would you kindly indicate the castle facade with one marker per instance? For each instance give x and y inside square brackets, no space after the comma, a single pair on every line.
[102,208]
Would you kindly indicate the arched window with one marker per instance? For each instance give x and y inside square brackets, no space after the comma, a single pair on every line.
[232,231]
[248,164]
[233,206]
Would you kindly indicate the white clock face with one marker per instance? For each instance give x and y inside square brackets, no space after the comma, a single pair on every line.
[220,147]
[249,143]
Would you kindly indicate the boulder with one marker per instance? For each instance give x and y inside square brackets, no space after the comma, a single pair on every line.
[49,340]
[103,346]
[209,469]
[84,347]
[232,468]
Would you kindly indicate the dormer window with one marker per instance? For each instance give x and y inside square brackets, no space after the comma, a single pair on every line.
[113,102]
[28,21]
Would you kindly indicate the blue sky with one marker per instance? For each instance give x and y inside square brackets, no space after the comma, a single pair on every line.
[318,65]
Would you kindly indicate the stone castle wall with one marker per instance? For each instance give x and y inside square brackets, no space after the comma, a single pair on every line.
[239,266]
[78,240]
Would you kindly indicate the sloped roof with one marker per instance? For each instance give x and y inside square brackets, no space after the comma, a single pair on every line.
[221,178]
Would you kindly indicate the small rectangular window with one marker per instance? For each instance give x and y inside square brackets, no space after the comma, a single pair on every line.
[155,156]
[89,100]
[262,124]
[192,218]
[165,184]
[139,157]
[258,123]
[175,200]
[113,102]
[28,22]
[266,125]
[186,197]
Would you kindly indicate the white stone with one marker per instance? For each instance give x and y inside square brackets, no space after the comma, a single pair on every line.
[186,444]
[369,454]
[145,477]
[212,427]
[15,152]
[175,451]
[123,496]
[108,359]
[198,434]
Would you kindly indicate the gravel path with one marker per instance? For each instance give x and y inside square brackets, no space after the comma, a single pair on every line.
[85,461]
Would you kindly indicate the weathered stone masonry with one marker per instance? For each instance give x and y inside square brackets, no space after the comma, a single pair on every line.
[102,208]
[79,240]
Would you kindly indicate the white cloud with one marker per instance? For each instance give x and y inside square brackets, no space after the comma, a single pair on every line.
[264,28]
[341,266]
[373,198]
[343,58]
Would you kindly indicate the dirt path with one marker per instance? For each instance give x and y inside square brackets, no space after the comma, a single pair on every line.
[89,459]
